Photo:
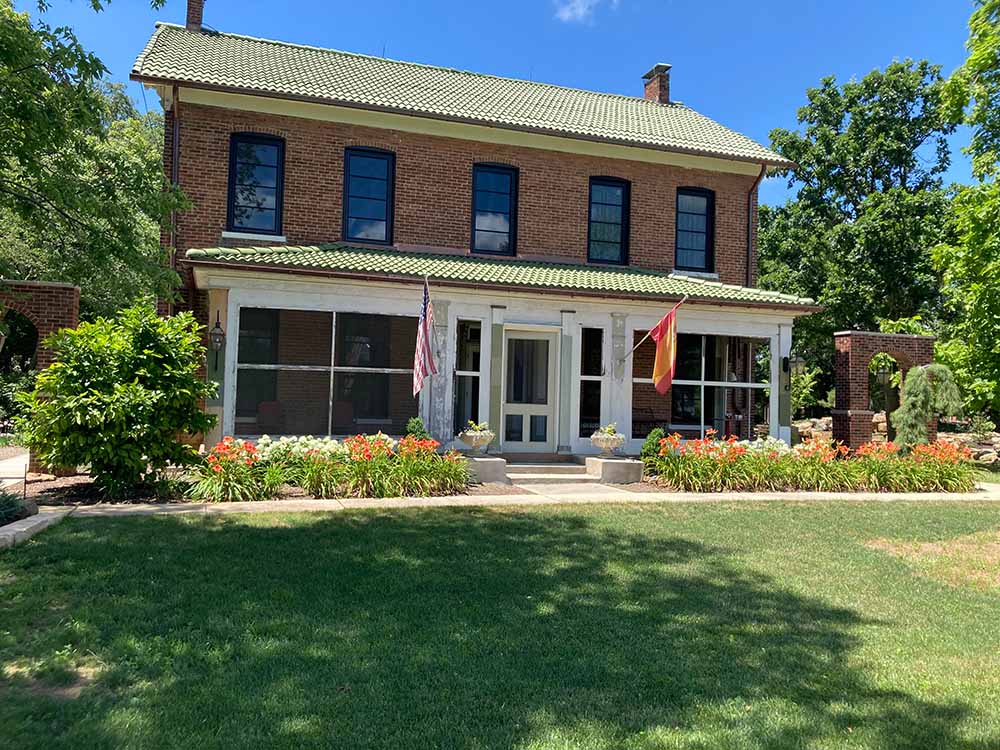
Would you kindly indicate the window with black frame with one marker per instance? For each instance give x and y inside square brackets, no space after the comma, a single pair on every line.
[369,176]
[695,229]
[256,176]
[608,220]
[494,209]
[591,379]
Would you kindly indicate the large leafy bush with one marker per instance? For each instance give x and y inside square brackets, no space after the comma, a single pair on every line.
[119,395]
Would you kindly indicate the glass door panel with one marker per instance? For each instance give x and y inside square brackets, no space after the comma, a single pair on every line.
[529,392]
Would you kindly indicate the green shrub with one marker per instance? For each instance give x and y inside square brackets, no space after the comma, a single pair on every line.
[981,427]
[928,392]
[11,506]
[651,446]
[415,427]
[20,378]
[117,398]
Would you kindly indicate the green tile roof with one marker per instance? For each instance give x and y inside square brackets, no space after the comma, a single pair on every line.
[339,258]
[265,67]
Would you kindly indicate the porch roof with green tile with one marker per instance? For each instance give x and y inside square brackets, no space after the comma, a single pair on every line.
[343,260]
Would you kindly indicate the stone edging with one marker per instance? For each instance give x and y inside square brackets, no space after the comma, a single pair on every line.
[20,531]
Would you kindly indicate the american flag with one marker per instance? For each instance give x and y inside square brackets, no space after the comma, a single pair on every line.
[423,356]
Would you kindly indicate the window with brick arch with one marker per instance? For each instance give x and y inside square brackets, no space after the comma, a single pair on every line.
[256,183]
[695,230]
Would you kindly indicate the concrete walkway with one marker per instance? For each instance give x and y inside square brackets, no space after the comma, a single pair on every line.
[12,470]
[548,494]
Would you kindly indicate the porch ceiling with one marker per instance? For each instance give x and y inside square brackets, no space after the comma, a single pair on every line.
[338,259]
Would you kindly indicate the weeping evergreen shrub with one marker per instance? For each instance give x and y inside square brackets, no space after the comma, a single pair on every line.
[928,392]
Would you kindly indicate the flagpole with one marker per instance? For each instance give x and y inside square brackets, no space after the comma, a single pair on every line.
[650,331]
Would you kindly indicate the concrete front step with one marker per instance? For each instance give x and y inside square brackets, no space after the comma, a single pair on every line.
[545,468]
[581,479]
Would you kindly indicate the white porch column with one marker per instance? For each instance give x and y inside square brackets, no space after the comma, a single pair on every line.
[781,347]
[564,444]
[620,386]
[436,405]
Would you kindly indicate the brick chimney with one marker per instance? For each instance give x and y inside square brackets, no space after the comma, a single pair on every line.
[657,83]
[195,10]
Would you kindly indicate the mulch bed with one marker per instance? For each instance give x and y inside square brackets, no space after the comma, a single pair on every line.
[77,489]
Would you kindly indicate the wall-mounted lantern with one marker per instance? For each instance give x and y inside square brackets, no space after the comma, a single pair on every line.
[882,374]
[217,338]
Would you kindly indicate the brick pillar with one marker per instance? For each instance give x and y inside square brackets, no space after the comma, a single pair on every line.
[49,306]
[852,419]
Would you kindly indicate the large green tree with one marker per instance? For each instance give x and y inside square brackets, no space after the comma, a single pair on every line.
[82,195]
[971,263]
[868,206]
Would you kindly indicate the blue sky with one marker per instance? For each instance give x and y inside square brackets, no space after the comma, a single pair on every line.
[745,65]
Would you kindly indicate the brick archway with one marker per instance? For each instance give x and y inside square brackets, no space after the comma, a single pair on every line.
[852,419]
[48,305]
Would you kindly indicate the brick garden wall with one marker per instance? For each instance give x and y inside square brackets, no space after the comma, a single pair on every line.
[48,305]
[853,351]
[433,200]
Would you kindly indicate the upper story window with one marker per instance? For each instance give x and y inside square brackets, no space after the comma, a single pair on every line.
[494,209]
[695,229]
[609,212]
[369,177]
[256,175]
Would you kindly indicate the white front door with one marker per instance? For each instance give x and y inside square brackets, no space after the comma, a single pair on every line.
[529,393]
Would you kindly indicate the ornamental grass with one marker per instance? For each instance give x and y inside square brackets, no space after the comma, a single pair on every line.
[711,464]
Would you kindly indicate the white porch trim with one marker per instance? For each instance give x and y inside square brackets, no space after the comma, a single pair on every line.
[561,313]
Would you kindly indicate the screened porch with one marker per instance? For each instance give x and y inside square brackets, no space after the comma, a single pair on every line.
[305,372]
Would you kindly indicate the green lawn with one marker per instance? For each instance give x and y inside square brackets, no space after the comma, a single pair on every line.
[657,626]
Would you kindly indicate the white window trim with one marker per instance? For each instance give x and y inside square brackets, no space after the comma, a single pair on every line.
[231,235]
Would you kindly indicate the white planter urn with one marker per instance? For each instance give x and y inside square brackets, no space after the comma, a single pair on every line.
[477,440]
[607,442]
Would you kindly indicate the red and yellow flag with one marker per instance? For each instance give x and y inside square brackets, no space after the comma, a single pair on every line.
[664,334]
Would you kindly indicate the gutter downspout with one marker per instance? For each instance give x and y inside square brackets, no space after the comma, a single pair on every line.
[175,146]
[750,194]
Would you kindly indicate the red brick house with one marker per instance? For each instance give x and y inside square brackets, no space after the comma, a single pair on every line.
[555,226]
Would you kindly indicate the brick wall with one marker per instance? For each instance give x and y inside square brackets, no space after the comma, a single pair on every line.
[853,351]
[433,189]
[49,306]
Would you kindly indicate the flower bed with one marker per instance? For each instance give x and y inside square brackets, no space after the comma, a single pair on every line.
[713,465]
[360,466]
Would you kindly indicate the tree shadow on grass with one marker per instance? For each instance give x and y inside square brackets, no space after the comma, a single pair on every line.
[464,629]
